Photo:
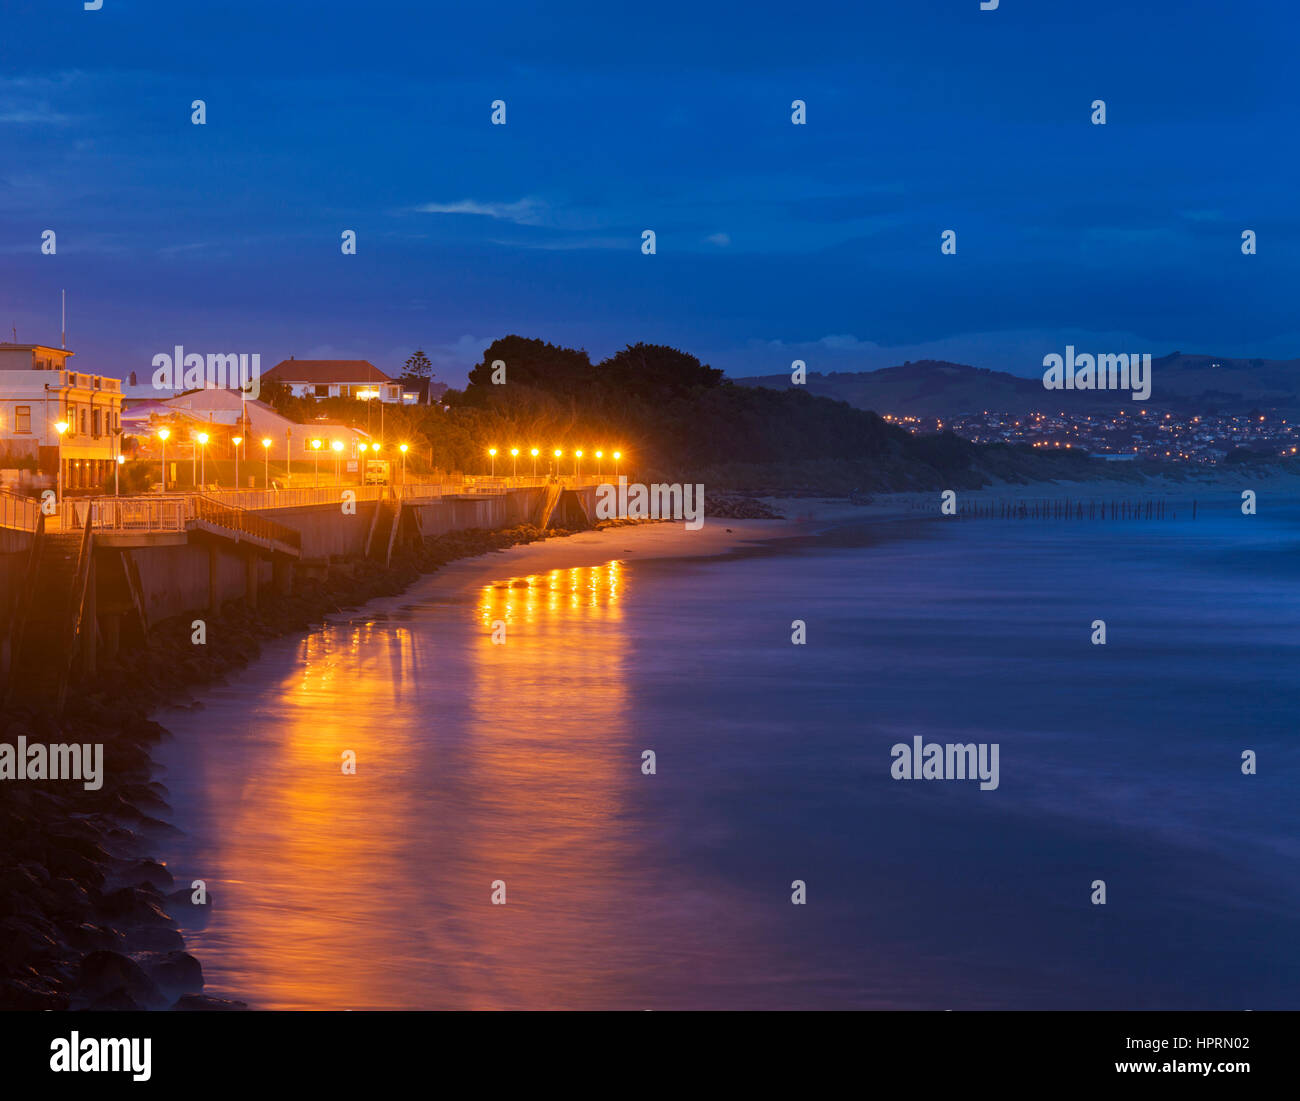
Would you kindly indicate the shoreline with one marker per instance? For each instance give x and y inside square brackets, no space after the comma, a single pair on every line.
[88,916]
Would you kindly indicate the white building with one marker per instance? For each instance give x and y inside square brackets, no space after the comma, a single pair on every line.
[335,378]
[38,392]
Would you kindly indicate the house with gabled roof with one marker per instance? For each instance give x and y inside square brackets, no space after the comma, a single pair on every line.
[335,378]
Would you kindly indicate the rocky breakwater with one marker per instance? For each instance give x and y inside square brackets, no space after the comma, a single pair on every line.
[87,919]
[738,508]
[84,917]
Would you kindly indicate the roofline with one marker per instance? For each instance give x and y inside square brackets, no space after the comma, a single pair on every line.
[7,346]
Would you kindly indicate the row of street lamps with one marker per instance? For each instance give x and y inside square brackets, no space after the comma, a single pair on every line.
[558,453]
[200,459]
[201,438]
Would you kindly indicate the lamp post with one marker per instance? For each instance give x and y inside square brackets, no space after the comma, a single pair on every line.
[315,446]
[600,466]
[117,489]
[202,437]
[617,455]
[236,440]
[535,462]
[514,462]
[163,433]
[266,455]
[492,451]
[61,427]
[337,446]
[558,453]
[577,463]
[402,449]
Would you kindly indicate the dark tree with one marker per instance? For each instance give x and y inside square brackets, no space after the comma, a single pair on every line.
[418,365]
[530,365]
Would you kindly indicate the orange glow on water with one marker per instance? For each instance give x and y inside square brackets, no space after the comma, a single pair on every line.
[475,762]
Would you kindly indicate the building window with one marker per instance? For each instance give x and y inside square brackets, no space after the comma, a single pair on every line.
[95,424]
[323,391]
[22,418]
[84,419]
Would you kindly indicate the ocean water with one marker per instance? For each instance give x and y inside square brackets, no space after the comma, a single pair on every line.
[522,763]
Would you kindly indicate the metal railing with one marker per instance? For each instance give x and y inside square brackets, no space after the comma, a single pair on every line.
[293,498]
[171,512]
[17,511]
[221,515]
[424,491]
[123,514]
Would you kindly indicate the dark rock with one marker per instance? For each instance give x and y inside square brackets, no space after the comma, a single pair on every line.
[203,1002]
[154,939]
[137,905]
[174,971]
[104,974]
[30,993]
[115,1001]
[88,937]
[148,872]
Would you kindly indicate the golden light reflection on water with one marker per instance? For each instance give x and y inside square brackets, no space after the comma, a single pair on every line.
[475,762]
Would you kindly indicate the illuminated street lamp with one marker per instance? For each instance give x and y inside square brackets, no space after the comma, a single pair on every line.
[202,437]
[117,466]
[315,446]
[337,445]
[236,440]
[163,433]
[535,453]
[402,448]
[61,427]
[617,455]
[577,463]
[514,462]
[492,451]
[266,456]
[599,465]
[558,453]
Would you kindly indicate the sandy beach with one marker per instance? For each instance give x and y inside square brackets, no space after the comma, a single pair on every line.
[803,516]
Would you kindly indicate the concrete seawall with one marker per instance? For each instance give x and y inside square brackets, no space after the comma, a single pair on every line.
[183,574]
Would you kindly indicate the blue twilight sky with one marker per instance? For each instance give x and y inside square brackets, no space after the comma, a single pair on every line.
[775,241]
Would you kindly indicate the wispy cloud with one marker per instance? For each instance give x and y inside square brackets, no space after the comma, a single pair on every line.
[524,212]
[28,101]
[41,115]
